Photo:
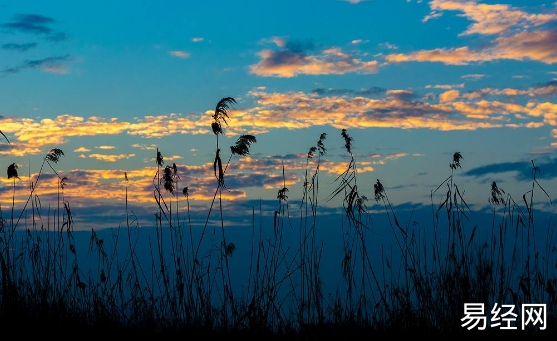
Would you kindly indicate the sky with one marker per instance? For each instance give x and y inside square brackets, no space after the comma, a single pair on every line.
[413,82]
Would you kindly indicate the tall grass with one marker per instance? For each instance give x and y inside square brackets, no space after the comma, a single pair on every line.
[184,281]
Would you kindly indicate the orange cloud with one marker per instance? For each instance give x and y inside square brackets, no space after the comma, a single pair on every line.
[455,56]
[55,131]
[111,157]
[449,96]
[165,125]
[536,45]
[490,19]
[541,90]
[396,108]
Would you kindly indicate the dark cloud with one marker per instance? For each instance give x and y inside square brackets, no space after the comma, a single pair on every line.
[299,46]
[49,63]
[57,37]
[302,57]
[274,159]
[523,169]
[19,47]
[496,168]
[35,24]
[293,53]
[285,57]
[546,89]
[30,23]
[543,85]
[348,92]
[241,181]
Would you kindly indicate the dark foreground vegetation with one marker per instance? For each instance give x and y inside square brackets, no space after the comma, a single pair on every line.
[185,285]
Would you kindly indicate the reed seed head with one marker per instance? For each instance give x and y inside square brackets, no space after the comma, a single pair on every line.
[54,155]
[311,151]
[379,190]
[281,195]
[456,161]
[496,195]
[221,114]
[217,129]
[347,141]
[12,171]
[168,179]
[242,145]
[320,145]
[160,159]
[229,249]
[63,182]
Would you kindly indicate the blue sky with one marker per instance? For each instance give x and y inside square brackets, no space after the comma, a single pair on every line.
[412,82]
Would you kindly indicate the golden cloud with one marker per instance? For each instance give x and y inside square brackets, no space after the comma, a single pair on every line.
[491,19]
[110,157]
[534,45]
[449,96]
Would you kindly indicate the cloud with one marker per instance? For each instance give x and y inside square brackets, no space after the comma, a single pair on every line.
[30,23]
[19,47]
[524,172]
[19,149]
[56,131]
[454,56]
[449,96]
[197,39]
[396,108]
[106,147]
[166,125]
[35,24]
[473,76]
[338,108]
[445,86]
[50,64]
[517,35]
[534,45]
[432,15]
[82,150]
[389,46]
[153,160]
[341,92]
[179,54]
[296,58]
[296,110]
[145,146]
[401,94]
[490,19]
[540,90]
[110,157]
[58,37]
